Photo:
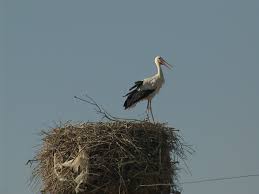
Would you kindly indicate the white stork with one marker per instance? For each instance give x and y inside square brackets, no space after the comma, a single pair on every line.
[147,88]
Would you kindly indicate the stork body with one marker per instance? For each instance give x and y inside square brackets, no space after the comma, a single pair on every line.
[147,88]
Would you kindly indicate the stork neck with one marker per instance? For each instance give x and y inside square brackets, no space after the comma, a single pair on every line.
[159,70]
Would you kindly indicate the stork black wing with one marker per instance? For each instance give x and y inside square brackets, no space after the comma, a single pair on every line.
[136,96]
[137,85]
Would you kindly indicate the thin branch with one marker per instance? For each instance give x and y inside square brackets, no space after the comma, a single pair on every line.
[100,110]
[30,162]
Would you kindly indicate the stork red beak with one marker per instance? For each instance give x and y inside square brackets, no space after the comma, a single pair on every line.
[166,64]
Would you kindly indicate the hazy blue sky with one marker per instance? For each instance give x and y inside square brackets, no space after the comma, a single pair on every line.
[53,50]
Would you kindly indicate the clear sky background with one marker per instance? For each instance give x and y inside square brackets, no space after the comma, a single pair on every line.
[53,50]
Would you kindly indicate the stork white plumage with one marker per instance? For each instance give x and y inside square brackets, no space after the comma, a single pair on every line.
[147,88]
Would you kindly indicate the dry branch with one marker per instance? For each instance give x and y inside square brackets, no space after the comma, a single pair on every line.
[101,111]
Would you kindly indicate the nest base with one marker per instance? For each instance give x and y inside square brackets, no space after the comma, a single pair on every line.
[111,157]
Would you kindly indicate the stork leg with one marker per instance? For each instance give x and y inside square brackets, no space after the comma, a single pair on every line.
[150,107]
[147,110]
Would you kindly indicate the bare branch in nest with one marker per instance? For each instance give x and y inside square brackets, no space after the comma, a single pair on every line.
[101,111]
[30,162]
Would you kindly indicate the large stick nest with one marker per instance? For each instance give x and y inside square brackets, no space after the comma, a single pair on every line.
[109,157]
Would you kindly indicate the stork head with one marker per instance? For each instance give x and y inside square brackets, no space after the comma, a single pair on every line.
[160,61]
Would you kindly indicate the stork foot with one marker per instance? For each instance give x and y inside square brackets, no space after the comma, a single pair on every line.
[147,116]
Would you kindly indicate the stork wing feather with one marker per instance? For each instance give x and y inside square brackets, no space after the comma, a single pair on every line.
[136,96]
[137,85]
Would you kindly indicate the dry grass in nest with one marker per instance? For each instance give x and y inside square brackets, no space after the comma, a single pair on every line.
[109,157]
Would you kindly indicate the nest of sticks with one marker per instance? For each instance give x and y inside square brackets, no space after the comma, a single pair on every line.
[109,157]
